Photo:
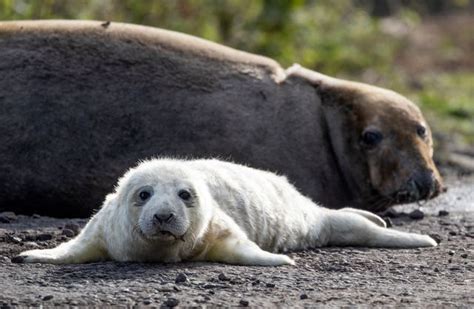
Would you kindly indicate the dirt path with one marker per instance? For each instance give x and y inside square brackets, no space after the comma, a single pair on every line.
[331,276]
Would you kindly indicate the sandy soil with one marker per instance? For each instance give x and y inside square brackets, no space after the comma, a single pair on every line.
[330,276]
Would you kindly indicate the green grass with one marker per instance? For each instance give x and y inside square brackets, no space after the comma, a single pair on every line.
[447,100]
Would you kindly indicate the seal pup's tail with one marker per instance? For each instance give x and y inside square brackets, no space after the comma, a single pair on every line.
[346,227]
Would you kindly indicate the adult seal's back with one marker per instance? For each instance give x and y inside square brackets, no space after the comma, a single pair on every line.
[82,102]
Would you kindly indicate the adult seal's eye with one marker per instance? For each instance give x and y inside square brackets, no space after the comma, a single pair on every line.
[185,195]
[421,131]
[371,138]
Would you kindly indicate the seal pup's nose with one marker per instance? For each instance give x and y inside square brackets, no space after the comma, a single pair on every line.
[163,217]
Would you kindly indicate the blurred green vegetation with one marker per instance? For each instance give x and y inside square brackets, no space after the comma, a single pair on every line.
[365,40]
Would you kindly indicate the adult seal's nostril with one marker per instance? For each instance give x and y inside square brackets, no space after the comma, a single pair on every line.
[164,218]
[425,183]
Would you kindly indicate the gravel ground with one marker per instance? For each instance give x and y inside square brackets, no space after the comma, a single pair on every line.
[441,276]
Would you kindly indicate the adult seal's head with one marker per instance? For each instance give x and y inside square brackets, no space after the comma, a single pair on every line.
[382,142]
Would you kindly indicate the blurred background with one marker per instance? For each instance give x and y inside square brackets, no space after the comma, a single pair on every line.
[422,49]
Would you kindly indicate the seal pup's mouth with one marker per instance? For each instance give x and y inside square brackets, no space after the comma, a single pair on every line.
[161,235]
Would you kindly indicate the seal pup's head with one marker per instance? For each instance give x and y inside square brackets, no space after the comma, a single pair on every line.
[164,201]
[382,142]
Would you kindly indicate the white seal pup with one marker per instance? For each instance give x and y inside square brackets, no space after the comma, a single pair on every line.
[168,210]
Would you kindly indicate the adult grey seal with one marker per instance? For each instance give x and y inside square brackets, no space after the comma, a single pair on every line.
[207,210]
[81,103]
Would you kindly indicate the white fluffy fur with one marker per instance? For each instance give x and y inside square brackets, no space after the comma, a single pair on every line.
[239,215]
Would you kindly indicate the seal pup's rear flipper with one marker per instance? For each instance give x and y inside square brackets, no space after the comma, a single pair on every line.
[348,228]
[234,250]
[372,217]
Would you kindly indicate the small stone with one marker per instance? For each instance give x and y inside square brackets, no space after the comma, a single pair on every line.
[44,237]
[36,216]
[73,227]
[15,240]
[48,297]
[31,244]
[443,213]
[223,277]
[416,214]
[464,255]
[391,213]
[146,302]
[451,252]
[181,278]
[10,215]
[17,259]
[4,220]
[436,270]
[304,296]
[68,233]
[270,285]
[452,233]
[436,237]
[388,221]
[171,302]
[256,282]
[244,303]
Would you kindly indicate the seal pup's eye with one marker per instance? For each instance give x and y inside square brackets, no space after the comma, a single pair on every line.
[144,195]
[421,131]
[371,138]
[185,195]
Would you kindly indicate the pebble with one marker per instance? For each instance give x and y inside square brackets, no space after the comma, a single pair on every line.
[44,237]
[270,285]
[223,277]
[8,216]
[68,233]
[17,259]
[146,301]
[36,216]
[416,214]
[15,239]
[451,252]
[388,221]
[4,220]
[48,297]
[304,296]
[464,255]
[181,278]
[443,213]
[244,303]
[171,302]
[73,227]
[436,237]
[31,244]
[391,213]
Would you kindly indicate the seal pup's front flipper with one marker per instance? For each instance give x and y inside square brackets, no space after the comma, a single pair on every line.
[88,246]
[81,249]
[348,228]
